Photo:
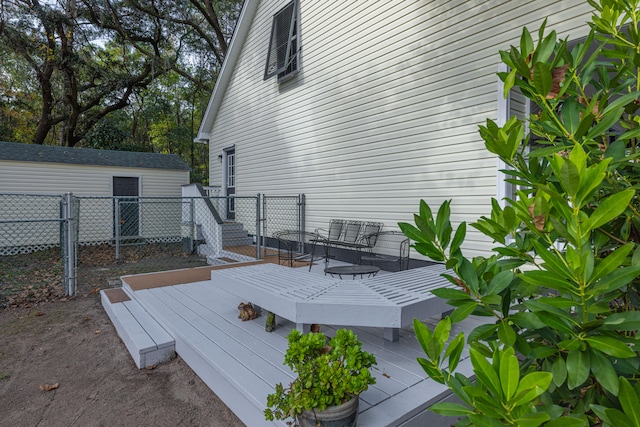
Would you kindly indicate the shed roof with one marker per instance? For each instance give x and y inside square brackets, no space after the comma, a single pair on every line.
[88,156]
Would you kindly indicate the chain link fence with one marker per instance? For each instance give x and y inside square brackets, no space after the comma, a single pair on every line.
[40,225]
[115,236]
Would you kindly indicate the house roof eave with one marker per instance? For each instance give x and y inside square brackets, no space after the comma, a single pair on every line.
[249,9]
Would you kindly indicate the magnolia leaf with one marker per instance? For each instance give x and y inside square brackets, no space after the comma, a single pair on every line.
[567,422]
[571,110]
[615,280]
[469,276]
[533,419]
[605,124]
[450,409]
[559,371]
[463,311]
[509,373]
[542,79]
[610,208]
[458,238]
[454,350]
[624,321]
[500,282]
[570,178]
[423,334]
[621,102]
[506,333]
[485,421]
[578,368]
[451,294]
[485,373]
[604,372]
[611,346]
[531,386]
[629,401]
[431,370]
[614,260]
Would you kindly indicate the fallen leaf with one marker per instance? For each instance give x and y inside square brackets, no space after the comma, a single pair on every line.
[98,331]
[151,368]
[39,313]
[384,374]
[48,387]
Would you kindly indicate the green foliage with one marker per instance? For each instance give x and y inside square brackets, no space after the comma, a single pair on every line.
[327,374]
[562,285]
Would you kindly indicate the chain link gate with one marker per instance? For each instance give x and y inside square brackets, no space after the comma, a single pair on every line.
[281,213]
[45,225]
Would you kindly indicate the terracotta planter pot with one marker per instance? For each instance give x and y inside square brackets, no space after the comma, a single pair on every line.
[345,415]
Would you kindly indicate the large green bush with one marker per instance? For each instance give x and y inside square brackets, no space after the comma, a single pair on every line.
[562,283]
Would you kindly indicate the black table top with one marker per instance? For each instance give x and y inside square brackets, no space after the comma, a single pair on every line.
[352,269]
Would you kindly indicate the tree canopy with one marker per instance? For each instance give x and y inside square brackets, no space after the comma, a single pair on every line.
[112,74]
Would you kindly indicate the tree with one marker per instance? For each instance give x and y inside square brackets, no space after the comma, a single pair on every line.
[91,58]
[562,286]
[80,82]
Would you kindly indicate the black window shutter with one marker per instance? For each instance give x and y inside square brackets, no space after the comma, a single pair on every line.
[281,49]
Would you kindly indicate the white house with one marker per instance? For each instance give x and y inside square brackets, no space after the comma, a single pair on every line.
[369,106]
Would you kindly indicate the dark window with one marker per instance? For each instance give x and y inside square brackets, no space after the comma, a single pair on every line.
[282,58]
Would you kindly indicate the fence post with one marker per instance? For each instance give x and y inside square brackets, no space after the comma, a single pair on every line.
[301,209]
[192,226]
[258,239]
[69,245]
[116,223]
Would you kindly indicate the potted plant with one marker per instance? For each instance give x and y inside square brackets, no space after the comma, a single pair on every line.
[330,376]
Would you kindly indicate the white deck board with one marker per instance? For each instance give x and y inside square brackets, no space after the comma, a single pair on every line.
[390,301]
[241,362]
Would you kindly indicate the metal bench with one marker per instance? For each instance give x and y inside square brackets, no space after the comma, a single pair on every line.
[389,301]
[348,234]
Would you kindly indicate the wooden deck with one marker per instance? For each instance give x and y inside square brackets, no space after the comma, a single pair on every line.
[242,363]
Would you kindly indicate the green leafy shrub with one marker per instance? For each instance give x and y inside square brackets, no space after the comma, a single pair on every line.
[562,285]
[327,374]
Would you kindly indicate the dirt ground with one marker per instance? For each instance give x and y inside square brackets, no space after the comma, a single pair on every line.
[72,349]
[69,347]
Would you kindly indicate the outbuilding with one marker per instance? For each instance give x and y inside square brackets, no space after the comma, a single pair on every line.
[146,186]
[44,169]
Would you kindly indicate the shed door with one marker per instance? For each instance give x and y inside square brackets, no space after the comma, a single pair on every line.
[125,192]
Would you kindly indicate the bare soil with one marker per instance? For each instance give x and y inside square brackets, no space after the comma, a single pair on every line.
[62,362]
[37,277]
[72,349]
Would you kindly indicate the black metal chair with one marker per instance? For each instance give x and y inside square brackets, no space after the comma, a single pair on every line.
[295,245]
[387,247]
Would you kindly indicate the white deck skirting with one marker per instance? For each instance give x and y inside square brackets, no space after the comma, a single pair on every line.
[389,301]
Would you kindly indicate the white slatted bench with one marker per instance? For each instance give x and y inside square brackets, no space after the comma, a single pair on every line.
[148,343]
[389,301]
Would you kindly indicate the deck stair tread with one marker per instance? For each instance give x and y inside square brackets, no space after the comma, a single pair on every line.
[147,342]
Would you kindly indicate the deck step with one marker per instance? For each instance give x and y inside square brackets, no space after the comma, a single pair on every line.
[147,342]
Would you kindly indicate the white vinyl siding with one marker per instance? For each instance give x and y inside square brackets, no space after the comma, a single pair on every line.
[385,109]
